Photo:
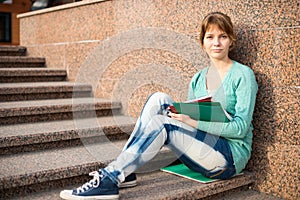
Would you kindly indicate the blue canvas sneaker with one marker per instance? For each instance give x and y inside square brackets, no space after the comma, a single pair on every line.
[100,187]
[130,181]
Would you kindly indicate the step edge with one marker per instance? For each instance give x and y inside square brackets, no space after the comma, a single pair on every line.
[37,72]
[74,106]
[18,59]
[217,187]
[58,173]
[57,136]
[44,89]
[12,47]
[43,176]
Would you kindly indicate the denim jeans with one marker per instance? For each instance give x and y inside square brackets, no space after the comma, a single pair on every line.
[200,151]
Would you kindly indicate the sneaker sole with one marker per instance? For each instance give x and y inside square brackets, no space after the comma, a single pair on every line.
[128,184]
[68,196]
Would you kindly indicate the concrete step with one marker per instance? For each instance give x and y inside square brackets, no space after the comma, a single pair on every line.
[233,194]
[48,165]
[21,61]
[157,185]
[56,109]
[43,90]
[15,75]
[12,51]
[62,166]
[161,185]
[41,135]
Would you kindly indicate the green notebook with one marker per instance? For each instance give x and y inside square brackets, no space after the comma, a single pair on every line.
[184,171]
[203,111]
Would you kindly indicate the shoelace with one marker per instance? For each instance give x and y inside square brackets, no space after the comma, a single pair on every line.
[92,183]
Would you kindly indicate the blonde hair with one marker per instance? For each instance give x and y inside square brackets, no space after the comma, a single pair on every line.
[222,21]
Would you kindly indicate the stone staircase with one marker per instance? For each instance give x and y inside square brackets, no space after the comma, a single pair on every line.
[54,132]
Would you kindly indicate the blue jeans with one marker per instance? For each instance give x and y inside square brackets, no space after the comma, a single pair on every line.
[200,151]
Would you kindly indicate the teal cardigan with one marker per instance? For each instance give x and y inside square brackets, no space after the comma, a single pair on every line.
[237,95]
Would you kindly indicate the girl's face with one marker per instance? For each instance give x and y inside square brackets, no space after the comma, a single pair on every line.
[216,43]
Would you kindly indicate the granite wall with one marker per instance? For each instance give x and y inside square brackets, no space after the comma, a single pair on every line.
[128,49]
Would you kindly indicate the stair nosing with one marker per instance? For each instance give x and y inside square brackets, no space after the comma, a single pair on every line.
[6,48]
[21,72]
[20,59]
[49,165]
[54,166]
[35,107]
[43,87]
[13,50]
[213,187]
[159,185]
[43,132]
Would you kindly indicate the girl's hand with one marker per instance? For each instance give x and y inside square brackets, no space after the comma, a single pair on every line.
[184,118]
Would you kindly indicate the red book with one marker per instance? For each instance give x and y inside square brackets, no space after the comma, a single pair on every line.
[201,99]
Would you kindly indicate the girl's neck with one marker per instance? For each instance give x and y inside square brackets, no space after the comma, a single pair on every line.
[221,65]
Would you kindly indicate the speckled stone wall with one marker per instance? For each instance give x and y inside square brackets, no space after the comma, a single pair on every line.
[128,49]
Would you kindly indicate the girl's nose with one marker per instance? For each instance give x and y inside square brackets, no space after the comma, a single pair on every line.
[216,41]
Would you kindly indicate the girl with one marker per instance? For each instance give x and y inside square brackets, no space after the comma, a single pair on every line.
[215,149]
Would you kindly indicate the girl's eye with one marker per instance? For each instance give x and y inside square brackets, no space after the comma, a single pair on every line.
[209,37]
[224,36]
